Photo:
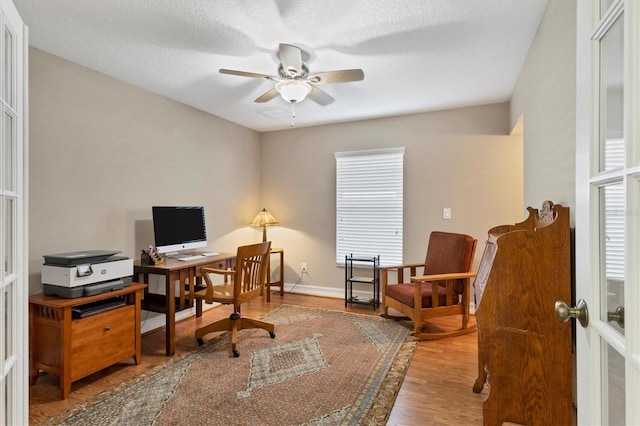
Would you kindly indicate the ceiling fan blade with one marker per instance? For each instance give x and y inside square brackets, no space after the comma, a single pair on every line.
[266,97]
[342,76]
[291,58]
[319,97]
[248,74]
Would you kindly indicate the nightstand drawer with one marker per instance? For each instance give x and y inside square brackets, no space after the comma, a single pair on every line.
[74,348]
[102,340]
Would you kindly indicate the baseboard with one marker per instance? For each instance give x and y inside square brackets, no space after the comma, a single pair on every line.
[335,293]
[314,290]
[152,321]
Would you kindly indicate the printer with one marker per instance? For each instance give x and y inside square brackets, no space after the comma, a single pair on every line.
[85,273]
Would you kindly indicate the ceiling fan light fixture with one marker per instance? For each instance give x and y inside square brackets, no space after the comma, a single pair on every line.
[293,91]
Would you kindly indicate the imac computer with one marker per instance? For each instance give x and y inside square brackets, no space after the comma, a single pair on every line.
[179,228]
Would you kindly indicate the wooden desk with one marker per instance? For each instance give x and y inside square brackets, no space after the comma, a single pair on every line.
[74,348]
[280,282]
[186,273]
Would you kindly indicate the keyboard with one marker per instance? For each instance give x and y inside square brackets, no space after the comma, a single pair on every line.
[198,256]
[188,258]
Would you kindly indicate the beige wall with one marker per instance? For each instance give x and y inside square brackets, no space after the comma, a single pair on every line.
[545,96]
[462,159]
[102,152]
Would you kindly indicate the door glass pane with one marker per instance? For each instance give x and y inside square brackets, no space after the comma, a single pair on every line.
[612,240]
[604,6]
[9,153]
[7,391]
[9,233]
[8,68]
[611,99]
[8,320]
[613,399]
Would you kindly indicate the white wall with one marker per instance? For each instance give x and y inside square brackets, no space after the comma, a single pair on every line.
[463,159]
[102,152]
[545,96]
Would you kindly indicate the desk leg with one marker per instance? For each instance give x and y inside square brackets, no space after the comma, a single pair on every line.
[192,285]
[267,285]
[280,282]
[184,276]
[282,274]
[145,280]
[170,305]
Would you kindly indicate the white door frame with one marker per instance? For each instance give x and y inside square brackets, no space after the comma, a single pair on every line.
[591,341]
[14,252]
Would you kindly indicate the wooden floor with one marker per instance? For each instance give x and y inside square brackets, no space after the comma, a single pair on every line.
[437,389]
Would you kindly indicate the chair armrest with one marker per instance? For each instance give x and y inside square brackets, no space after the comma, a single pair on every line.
[218,271]
[400,269]
[444,277]
[408,265]
[209,292]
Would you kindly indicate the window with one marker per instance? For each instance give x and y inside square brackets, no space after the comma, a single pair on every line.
[369,187]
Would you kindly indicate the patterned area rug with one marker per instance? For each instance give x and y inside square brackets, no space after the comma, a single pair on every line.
[323,368]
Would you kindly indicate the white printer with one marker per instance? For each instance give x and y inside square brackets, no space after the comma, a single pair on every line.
[85,273]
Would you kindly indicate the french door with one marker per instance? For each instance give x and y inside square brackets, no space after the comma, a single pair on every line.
[608,211]
[14,324]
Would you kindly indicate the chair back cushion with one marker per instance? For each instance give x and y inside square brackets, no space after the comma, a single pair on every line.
[448,252]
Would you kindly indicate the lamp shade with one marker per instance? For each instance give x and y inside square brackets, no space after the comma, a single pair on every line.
[264,219]
[293,91]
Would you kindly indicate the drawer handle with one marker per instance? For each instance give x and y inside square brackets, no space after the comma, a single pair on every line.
[107,328]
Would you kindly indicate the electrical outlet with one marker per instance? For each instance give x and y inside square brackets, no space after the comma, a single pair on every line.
[304,268]
[446,213]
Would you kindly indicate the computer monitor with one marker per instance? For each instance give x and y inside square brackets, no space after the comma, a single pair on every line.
[179,228]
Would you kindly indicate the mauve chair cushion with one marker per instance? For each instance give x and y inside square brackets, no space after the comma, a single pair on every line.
[403,293]
[447,252]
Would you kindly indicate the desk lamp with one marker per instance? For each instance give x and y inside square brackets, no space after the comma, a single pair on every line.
[264,219]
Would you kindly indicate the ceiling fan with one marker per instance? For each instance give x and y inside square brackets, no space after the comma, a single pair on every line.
[294,83]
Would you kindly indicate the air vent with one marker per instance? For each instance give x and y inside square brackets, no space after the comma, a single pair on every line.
[274,113]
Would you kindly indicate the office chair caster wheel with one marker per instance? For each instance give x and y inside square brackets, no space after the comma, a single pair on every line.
[200,342]
[236,354]
[272,334]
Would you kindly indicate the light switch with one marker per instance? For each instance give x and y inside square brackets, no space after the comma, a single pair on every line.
[446,213]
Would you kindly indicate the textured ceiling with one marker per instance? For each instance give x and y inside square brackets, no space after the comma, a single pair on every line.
[417,55]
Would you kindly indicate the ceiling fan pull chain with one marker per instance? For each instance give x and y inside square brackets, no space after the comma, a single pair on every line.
[293,113]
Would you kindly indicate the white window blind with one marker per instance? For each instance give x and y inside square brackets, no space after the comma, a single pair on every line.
[614,231]
[369,192]
[614,215]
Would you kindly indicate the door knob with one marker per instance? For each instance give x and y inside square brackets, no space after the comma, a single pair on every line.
[617,316]
[579,312]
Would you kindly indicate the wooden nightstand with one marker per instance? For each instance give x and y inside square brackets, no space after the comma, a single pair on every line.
[73,348]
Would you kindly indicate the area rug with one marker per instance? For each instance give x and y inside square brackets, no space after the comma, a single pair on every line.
[323,368]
